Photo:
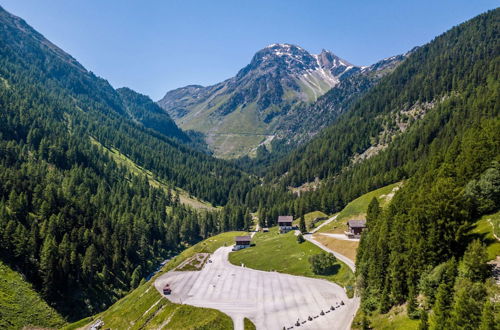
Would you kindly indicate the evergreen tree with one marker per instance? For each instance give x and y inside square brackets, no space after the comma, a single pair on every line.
[440,316]
[488,317]
[302,225]
[474,262]
[412,303]
[424,320]
[136,277]
[468,304]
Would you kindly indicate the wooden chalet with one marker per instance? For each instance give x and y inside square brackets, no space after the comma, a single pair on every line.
[242,242]
[285,223]
[355,228]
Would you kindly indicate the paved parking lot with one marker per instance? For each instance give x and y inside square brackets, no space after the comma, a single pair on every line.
[271,300]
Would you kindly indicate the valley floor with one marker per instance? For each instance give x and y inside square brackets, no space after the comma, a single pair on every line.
[271,300]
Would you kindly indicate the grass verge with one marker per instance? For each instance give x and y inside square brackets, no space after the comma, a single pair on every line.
[309,217]
[248,325]
[346,248]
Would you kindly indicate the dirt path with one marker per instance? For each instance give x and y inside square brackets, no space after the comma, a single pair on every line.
[271,300]
[342,237]
[339,256]
[324,223]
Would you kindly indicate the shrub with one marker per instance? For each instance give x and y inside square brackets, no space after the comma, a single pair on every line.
[300,238]
[324,264]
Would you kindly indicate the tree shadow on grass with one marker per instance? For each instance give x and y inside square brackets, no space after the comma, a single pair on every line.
[330,271]
[468,238]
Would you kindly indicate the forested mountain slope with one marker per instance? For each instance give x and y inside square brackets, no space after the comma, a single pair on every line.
[433,74]
[143,110]
[434,122]
[80,227]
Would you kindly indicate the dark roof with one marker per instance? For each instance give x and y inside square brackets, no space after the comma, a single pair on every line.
[357,223]
[285,218]
[243,238]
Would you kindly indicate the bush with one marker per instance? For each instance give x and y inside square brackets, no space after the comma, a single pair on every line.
[300,238]
[324,264]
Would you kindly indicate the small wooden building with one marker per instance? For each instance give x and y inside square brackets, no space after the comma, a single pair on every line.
[285,223]
[242,242]
[355,228]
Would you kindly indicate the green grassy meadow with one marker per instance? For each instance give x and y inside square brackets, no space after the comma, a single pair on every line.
[282,253]
[309,217]
[357,208]
[484,228]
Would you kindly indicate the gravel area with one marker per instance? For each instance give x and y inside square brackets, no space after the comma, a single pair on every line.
[271,300]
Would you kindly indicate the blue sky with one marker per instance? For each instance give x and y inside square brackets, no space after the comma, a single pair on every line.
[155,46]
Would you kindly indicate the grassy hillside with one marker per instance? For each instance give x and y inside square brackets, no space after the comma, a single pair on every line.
[395,319]
[135,169]
[357,208]
[282,253]
[309,217]
[21,306]
[485,228]
[145,308]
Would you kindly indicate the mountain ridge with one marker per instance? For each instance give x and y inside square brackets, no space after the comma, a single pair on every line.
[279,80]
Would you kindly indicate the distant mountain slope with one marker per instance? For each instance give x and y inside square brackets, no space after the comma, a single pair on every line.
[143,110]
[238,114]
[273,98]
[306,120]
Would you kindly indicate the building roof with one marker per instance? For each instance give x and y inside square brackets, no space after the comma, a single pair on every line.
[285,218]
[243,238]
[356,223]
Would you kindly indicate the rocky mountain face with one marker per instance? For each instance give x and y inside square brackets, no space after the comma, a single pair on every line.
[242,112]
[306,120]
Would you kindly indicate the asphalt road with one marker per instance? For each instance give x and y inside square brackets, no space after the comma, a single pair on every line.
[271,300]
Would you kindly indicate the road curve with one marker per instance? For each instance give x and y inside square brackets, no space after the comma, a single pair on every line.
[339,256]
[271,300]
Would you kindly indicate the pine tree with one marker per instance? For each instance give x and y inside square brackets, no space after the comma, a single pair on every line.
[302,225]
[136,277]
[89,261]
[412,303]
[468,304]
[373,210]
[474,262]
[385,301]
[441,309]
[488,317]
[48,260]
[424,320]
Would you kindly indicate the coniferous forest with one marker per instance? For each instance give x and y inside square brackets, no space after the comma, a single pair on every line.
[84,229]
